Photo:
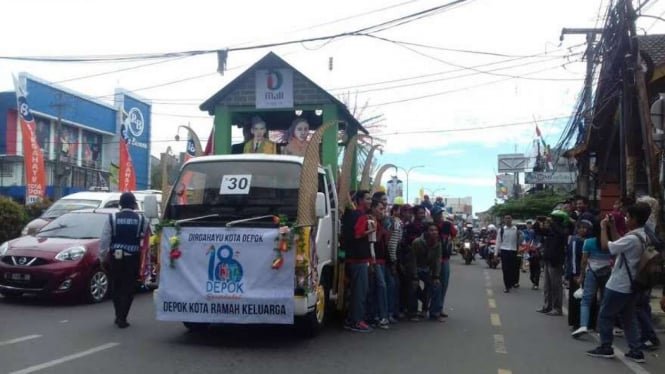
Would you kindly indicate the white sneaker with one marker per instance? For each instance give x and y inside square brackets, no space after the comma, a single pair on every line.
[579,332]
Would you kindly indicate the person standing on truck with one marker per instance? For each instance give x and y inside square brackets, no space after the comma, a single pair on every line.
[121,241]
[358,257]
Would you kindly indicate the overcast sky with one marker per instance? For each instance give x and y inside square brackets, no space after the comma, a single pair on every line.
[424,117]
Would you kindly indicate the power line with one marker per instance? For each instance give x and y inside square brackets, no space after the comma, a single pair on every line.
[396,22]
[468,67]
[451,91]
[464,129]
[460,76]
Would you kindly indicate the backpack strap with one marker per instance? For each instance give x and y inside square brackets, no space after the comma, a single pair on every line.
[625,260]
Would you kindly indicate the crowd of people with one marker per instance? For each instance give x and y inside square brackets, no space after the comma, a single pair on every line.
[397,262]
[597,259]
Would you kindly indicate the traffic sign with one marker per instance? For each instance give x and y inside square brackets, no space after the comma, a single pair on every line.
[548,177]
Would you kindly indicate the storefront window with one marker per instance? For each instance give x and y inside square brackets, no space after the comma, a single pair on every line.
[69,144]
[44,135]
[92,149]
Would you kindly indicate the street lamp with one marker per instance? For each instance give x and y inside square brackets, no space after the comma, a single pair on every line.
[433,193]
[407,171]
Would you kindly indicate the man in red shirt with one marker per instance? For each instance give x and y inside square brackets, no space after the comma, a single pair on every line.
[358,258]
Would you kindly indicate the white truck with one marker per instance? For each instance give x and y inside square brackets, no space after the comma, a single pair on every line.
[239,256]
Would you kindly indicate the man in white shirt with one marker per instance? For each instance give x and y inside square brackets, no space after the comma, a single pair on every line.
[508,241]
[619,298]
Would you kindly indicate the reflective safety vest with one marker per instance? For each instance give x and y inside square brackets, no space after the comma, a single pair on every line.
[126,231]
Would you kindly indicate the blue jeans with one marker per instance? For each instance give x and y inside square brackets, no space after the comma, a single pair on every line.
[445,281]
[392,289]
[431,292]
[359,289]
[643,314]
[379,293]
[590,291]
[613,304]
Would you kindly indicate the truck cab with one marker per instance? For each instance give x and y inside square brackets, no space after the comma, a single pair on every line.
[258,192]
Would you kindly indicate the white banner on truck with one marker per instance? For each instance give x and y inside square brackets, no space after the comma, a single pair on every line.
[224,275]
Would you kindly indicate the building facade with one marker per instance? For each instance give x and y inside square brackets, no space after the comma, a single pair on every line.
[79,137]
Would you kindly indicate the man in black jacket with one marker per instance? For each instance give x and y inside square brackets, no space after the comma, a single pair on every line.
[555,236]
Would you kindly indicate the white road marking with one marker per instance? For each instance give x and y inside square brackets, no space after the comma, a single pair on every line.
[499,344]
[496,320]
[492,303]
[61,360]
[504,371]
[488,284]
[18,340]
[64,321]
[490,293]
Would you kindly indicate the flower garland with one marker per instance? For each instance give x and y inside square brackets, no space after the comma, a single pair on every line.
[291,237]
[282,241]
[174,241]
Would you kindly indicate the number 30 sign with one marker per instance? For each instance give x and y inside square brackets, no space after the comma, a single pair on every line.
[235,184]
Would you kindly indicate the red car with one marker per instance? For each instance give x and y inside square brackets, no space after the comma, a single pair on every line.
[61,260]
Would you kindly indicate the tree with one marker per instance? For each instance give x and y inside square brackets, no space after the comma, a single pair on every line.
[529,206]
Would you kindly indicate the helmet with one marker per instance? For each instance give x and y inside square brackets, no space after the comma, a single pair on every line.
[560,215]
[491,227]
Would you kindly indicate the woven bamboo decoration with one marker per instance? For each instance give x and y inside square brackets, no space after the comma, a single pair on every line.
[309,181]
[345,178]
[364,182]
[379,176]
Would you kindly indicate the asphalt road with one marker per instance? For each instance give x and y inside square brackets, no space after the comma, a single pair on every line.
[487,332]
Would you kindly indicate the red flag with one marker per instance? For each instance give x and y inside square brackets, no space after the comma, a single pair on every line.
[35,176]
[126,174]
[538,132]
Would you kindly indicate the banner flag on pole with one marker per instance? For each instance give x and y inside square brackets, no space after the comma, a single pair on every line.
[35,175]
[126,175]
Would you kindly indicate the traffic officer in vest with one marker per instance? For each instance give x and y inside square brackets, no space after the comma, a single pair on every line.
[508,242]
[121,248]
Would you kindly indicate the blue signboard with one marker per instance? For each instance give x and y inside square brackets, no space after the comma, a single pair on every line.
[137,117]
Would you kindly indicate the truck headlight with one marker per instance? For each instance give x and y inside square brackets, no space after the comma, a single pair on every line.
[71,254]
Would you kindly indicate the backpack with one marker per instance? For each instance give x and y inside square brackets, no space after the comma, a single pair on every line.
[650,269]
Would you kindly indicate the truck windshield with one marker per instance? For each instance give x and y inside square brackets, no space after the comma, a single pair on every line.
[235,189]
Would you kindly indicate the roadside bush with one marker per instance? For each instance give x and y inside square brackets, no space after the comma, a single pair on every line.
[12,219]
[35,210]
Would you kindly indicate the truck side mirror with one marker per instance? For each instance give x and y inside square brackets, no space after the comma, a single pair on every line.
[320,206]
[150,210]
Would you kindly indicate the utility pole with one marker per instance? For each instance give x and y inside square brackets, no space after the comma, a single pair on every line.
[57,172]
[583,176]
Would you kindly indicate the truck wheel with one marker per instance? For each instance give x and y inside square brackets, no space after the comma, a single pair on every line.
[196,326]
[311,324]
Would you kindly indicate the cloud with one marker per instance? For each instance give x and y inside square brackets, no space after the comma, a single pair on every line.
[453,179]
[450,152]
